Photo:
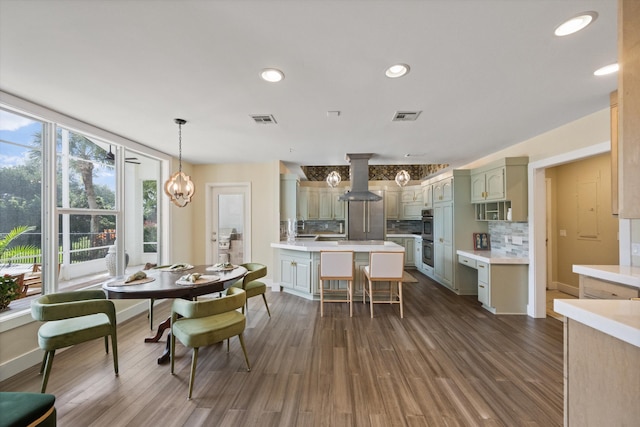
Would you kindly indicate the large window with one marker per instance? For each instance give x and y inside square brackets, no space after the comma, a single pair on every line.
[20,183]
[81,205]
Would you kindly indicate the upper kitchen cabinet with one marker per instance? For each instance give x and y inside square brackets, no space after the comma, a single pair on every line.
[392,203]
[411,202]
[288,196]
[443,191]
[329,205]
[320,203]
[499,188]
[427,195]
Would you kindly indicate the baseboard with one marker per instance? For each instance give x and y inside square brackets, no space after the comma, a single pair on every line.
[568,289]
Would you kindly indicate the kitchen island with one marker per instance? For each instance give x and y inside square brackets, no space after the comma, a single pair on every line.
[298,263]
[601,354]
[502,280]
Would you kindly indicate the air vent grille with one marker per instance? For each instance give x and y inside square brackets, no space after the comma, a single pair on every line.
[264,119]
[406,116]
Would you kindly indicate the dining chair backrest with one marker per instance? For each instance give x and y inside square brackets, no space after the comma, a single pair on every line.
[336,265]
[386,265]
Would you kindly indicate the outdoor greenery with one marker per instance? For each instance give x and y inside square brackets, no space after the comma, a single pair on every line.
[8,253]
[9,290]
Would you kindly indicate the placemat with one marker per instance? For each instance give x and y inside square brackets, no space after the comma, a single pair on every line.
[221,268]
[135,282]
[202,280]
[176,270]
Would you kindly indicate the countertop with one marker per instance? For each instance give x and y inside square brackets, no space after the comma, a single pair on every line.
[618,318]
[625,275]
[316,246]
[493,257]
[403,235]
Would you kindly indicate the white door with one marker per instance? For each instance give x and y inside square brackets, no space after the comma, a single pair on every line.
[229,223]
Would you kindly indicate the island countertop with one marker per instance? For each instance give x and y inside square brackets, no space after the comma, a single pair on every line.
[618,318]
[493,257]
[625,275]
[317,246]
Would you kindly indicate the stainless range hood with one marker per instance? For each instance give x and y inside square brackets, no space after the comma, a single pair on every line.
[359,176]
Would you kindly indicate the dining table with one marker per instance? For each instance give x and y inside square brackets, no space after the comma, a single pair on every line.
[165,283]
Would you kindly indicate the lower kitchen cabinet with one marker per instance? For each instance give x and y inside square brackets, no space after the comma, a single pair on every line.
[502,288]
[295,271]
[592,288]
[409,244]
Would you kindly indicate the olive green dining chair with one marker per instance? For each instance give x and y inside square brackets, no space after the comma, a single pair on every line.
[251,285]
[73,318]
[200,323]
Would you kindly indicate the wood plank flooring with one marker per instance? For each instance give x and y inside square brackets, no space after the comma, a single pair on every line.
[447,363]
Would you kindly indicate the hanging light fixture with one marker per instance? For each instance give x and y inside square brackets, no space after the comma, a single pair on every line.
[179,187]
[333,179]
[402,178]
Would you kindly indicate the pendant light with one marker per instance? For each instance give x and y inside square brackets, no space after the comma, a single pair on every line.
[333,179]
[402,178]
[179,187]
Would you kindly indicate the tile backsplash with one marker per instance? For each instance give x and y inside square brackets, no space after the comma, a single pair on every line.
[514,232]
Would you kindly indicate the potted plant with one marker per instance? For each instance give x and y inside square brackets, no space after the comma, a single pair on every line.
[9,289]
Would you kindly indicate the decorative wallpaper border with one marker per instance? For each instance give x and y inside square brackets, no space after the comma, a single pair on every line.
[376,172]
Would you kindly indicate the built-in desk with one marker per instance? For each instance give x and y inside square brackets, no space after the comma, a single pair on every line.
[502,280]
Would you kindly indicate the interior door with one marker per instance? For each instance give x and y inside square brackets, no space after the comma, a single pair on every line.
[230,224]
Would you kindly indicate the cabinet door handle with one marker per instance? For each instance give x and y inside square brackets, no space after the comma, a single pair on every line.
[481,266]
[481,286]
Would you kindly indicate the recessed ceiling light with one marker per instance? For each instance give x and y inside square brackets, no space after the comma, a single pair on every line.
[397,70]
[272,75]
[608,69]
[575,24]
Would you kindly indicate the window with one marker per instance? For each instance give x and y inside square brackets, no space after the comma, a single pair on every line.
[76,212]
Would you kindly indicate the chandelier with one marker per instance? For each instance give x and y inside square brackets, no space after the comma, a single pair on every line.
[402,178]
[333,179]
[179,187]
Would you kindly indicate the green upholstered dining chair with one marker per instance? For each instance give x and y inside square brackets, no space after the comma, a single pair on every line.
[251,285]
[207,322]
[73,318]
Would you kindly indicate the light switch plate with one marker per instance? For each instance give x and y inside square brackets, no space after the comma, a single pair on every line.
[635,249]
[516,240]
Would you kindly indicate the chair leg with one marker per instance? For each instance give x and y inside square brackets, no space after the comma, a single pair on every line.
[194,361]
[47,370]
[114,347]
[264,298]
[244,350]
[106,344]
[172,350]
[400,297]
[321,298]
[371,297]
[350,291]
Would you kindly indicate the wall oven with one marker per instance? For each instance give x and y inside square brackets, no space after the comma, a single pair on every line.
[427,237]
[427,252]
[427,224]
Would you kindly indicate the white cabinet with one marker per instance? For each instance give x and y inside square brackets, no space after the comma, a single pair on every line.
[453,228]
[288,196]
[484,294]
[411,203]
[408,243]
[392,203]
[320,203]
[417,252]
[295,271]
[443,191]
[498,187]
[427,195]
[488,185]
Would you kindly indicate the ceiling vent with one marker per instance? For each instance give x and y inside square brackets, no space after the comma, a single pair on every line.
[406,116]
[264,119]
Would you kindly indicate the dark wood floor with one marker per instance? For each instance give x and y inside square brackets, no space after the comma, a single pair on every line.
[447,363]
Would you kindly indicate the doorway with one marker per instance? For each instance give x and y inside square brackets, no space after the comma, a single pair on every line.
[228,223]
[538,226]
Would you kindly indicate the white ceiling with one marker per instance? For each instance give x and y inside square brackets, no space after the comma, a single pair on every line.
[485,74]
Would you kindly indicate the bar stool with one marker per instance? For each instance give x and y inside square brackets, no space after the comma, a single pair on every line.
[336,265]
[384,267]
